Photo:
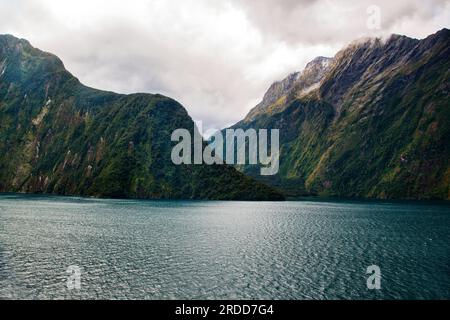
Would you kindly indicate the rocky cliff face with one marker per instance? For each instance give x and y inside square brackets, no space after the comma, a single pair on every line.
[298,82]
[373,122]
[59,136]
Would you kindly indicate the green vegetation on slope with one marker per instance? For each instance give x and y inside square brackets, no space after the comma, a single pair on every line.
[58,136]
[378,125]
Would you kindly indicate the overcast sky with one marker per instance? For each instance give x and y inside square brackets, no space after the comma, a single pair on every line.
[215,57]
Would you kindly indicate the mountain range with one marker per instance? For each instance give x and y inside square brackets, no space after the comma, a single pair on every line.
[371,122]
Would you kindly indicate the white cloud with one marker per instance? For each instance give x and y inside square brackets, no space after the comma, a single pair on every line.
[215,57]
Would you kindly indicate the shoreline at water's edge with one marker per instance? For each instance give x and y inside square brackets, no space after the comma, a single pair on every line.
[78,196]
[287,199]
[366,200]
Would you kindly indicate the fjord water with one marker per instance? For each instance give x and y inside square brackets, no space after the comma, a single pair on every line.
[222,250]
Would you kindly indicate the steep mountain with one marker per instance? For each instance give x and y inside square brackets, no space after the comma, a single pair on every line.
[372,122]
[59,136]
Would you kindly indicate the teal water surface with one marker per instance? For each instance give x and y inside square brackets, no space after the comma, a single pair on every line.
[130,249]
